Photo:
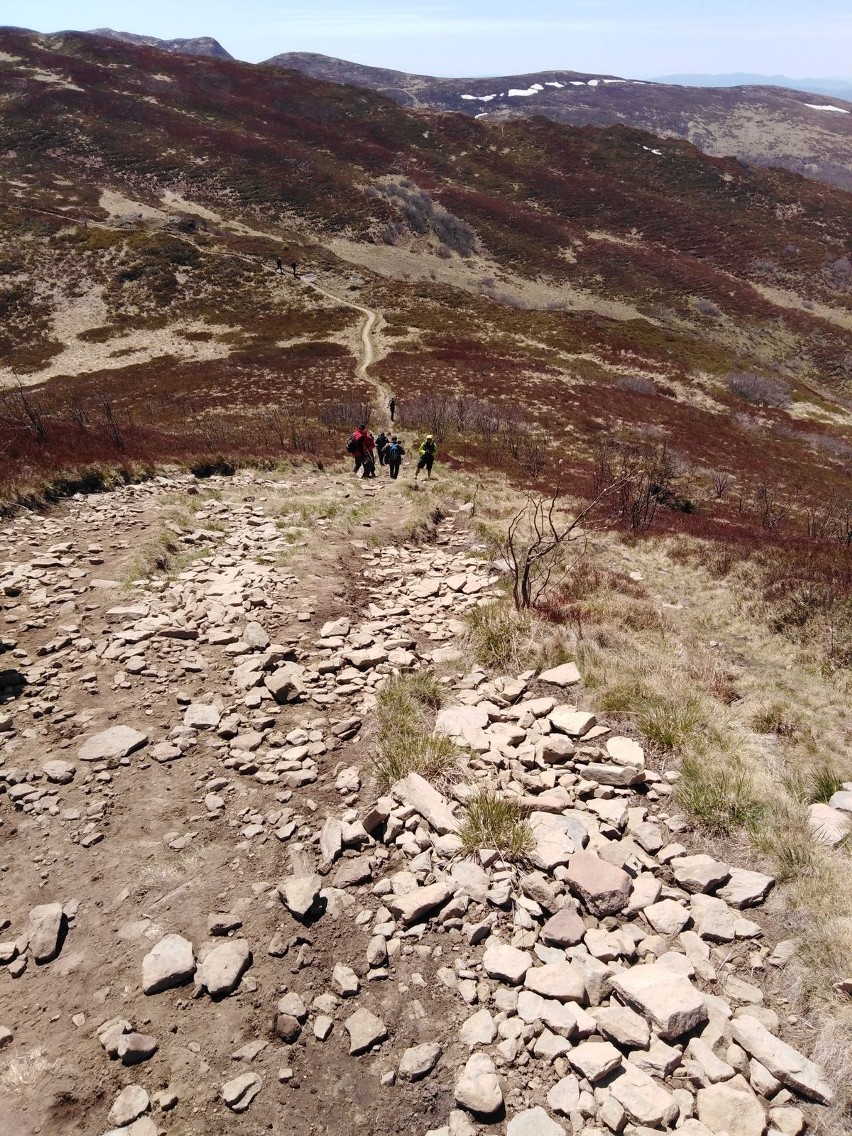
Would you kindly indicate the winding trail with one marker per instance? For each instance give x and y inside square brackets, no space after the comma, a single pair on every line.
[367,355]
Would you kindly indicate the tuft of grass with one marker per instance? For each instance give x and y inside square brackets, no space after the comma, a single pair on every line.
[156,555]
[720,798]
[825,782]
[670,723]
[405,742]
[430,755]
[776,718]
[496,632]
[497,822]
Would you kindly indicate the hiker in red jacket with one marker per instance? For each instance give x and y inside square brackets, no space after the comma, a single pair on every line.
[361,445]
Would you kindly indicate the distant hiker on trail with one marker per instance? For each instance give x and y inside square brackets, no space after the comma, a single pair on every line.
[279,267]
[361,444]
[382,442]
[393,456]
[427,456]
[392,408]
[294,265]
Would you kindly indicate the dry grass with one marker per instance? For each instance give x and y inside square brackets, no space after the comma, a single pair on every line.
[496,822]
[22,1070]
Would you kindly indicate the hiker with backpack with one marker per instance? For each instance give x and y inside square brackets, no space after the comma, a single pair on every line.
[392,408]
[382,443]
[360,445]
[427,456]
[393,456]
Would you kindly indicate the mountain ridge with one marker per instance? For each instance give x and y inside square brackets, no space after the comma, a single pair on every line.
[764,126]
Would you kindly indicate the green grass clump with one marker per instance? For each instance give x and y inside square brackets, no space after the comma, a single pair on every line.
[157,555]
[718,797]
[670,723]
[825,782]
[497,822]
[495,632]
[405,743]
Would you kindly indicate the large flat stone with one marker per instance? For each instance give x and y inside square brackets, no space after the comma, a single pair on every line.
[784,1062]
[564,675]
[478,1088]
[603,888]
[112,744]
[668,999]
[700,873]
[45,929]
[365,1030]
[534,1122]
[416,904]
[556,980]
[223,967]
[553,846]
[300,894]
[731,1107]
[506,963]
[644,1101]
[416,792]
[171,962]
[746,889]
[568,720]
[564,929]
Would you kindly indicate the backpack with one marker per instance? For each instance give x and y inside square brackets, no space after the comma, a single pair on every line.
[351,444]
[394,452]
[429,447]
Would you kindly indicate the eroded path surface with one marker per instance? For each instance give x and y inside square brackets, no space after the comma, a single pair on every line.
[214,919]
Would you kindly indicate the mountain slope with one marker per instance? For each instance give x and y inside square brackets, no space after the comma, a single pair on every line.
[599,279]
[764,126]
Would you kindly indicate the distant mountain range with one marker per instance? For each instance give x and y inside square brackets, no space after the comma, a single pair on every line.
[840,88]
[760,125]
[762,120]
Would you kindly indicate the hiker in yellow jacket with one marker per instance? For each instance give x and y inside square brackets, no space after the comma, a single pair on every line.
[427,456]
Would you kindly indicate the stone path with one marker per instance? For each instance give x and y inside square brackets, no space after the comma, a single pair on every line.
[214,920]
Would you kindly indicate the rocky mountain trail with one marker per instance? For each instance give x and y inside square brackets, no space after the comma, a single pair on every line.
[215,918]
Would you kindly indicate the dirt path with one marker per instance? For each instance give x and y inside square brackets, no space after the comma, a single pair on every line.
[383,393]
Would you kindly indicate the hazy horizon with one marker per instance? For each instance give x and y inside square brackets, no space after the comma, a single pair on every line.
[637,38]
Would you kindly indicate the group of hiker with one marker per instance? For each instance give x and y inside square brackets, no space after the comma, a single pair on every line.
[389,450]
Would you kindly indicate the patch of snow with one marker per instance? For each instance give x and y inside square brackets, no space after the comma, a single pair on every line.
[826,106]
[578,82]
[594,82]
[553,83]
[533,90]
[482,114]
[615,80]
[480,98]
[659,153]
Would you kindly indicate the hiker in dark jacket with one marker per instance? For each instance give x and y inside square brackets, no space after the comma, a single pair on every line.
[393,456]
[392,408]
[360,446]
[382,443]
[427,456]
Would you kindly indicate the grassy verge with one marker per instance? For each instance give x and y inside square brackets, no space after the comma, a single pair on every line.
[751,721]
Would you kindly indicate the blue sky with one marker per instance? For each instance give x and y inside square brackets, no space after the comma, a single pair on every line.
[480,37]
